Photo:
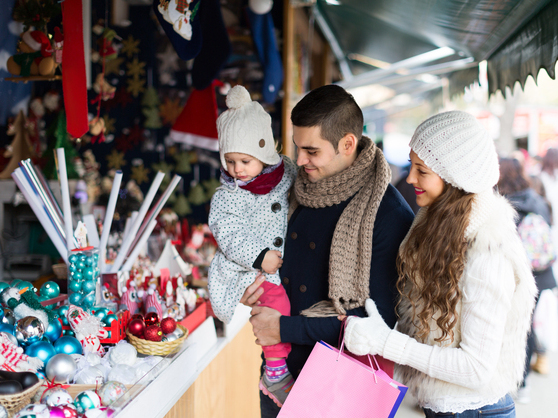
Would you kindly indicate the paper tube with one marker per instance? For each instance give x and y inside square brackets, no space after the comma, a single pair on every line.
[142,241]
[39,210]
[92,233]
[65,191]
[108,219]
[125,247]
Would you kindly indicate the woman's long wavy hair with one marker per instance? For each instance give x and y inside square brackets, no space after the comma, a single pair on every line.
[433,260]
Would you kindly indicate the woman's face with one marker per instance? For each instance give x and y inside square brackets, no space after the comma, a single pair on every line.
[428,185]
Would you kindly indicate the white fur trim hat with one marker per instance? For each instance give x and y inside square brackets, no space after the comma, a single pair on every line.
[457,147]
[246,128]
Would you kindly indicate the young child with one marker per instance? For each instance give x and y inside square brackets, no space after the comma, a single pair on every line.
[248,219]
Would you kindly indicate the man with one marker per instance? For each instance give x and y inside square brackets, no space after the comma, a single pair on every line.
[343,235]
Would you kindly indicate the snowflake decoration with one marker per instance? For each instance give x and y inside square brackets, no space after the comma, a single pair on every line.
[164,167]
[135,68]
[170,110]
[136,86]
[169,60]
[130,46]
[116,160]
[109,124]
[140,174]
[113,66]
[123,144]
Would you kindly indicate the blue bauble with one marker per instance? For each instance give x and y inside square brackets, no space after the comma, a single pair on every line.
[88,273]
[74,285]
[77,276]
[62,311]
[80,265]
[100,312]
[50,289]
[89,261]
[88,301]
[96,257]
[75,298]
[41,350]
[68,345]
[42,299]
[25,284]
[7,328]
[110,318]
[14,282]
[73,258]
[3,285]
[68,333]
[72,268]
[54,330]
[1,312]
[88,286]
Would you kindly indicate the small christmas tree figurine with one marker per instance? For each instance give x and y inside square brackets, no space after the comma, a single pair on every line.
[181,206]
[21,147]
[150,109]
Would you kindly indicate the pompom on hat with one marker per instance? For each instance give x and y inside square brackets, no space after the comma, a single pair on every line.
[457,147]
[246,128]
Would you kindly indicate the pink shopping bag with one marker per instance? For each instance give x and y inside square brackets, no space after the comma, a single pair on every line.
[334,384]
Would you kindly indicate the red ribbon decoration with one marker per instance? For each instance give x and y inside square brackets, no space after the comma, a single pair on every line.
[73,69]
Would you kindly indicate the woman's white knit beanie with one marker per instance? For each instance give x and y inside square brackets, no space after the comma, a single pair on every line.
[246,128]
[457,147]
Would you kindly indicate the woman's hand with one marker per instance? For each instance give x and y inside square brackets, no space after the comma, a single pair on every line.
[367,335]
[253,292]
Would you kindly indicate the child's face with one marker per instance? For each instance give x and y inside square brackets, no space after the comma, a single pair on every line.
[243,166]
[428,185]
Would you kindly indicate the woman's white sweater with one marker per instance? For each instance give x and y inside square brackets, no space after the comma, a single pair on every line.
[486,359]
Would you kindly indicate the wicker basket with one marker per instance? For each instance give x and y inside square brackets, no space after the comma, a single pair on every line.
[14,403]
[60,270]
[155,348]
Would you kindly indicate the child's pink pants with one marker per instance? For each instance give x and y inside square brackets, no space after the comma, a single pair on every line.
[275,297]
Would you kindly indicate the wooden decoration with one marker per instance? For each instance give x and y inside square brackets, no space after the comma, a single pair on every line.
[20,148]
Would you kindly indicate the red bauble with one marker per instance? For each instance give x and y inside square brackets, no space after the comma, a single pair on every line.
[168,325]
[137,316]
[153,333]
[136,327]
[151,319]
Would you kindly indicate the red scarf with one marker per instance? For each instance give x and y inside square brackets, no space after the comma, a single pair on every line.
[264,183]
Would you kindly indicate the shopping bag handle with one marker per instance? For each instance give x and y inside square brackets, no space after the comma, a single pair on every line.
[341,346]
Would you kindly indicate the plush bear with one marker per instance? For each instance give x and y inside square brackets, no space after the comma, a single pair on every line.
[35,56]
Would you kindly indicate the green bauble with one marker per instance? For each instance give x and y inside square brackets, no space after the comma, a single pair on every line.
[50,290]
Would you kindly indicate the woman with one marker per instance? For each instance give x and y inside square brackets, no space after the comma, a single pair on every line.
[467,292]
[517,189]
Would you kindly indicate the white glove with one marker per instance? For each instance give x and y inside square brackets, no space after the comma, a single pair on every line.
[367,335]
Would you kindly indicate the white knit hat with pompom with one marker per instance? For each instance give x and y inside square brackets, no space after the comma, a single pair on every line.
[457,147]
[246,128]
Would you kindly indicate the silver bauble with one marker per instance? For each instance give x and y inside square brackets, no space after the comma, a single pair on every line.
[60,368]
[3,412]
[9,317]
[13,339]
[171,337]
[29,330]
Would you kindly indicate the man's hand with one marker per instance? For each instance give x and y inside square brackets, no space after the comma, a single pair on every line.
[253,292]
[272,262]
[265,325]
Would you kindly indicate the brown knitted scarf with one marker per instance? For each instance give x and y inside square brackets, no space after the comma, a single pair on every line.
[351,248]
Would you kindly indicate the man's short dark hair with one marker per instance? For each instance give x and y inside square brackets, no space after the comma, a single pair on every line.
[331,108]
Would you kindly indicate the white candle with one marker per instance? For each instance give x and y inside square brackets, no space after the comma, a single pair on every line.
[65,191]
[126,243]
[142,241]
[109,213]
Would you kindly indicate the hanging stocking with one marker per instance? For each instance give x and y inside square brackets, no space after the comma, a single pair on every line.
[264,40]
[216,46]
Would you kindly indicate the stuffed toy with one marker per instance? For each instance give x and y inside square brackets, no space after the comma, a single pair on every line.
[24,303]
[12,358]
[35,57]
[88,329]
[129,300]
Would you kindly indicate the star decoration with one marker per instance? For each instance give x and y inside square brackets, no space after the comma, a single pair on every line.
[139,174]
[135,68]
[136,86]
[109,124]
[170,110]
[116,160]
[169,60]
[130,46]
[113,66]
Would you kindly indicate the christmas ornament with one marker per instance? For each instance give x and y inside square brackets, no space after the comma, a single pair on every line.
[102,412]
[62,310]
[123,353]
[140,174]
[13,359]
[9,317]
[68,410]
[151,319]
[86,400]
[21,147]
[113,66]
[122,373]
[129,300]
[56,412]
[136,85]
[109,124]
[169,110]
[25,303]
[68,333]
[3,412]
[35,57]
[87,328]
[135,68]
[130,46]
[137,316]
[42,350]
[34,410]
[56,396]
[92,375]
[136,327]
[171,337]
[61,368]
[115,160]
[153,333]
[9,335]
[29,330]
[68,345]
[54,330]
[168,325]
[7,328]
[100,312]
[110,318]
[111,391]
[152,304]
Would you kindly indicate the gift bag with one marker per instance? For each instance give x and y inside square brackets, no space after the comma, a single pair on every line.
[335,384]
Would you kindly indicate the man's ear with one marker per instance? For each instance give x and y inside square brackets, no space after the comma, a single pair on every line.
[348,144]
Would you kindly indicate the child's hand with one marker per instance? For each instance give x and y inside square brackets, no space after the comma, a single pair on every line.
[272,261]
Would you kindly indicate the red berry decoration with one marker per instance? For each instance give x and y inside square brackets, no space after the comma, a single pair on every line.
[137,316]
[151,319]
[136,327]
[153,333]
[168,325]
